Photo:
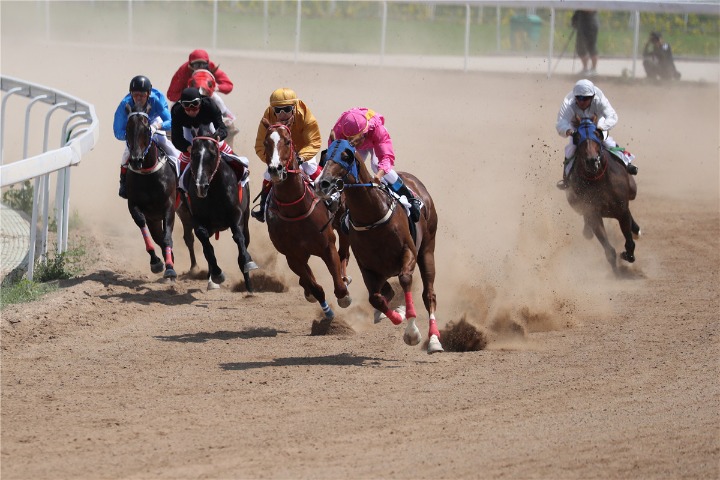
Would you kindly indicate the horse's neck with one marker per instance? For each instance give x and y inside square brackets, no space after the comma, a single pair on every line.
[292,188]
[367,204]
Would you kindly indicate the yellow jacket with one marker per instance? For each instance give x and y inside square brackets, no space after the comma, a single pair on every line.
[304,130]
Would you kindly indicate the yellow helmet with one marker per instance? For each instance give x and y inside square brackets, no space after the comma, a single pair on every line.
[283,96]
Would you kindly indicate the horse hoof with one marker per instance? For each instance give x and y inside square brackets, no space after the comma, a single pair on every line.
[310,298]
[378,316]
[627,257]
[212,285]
[434,345]
[345,301]
[156,267]
[219,278]
[329,315]
[170,274]
[250,266]
[412,335]
[637,235]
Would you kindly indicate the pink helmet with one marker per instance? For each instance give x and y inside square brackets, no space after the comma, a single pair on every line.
[353,123]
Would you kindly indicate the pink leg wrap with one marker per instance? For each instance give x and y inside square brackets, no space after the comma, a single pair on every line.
[168,257]
[394,316]
[409,306]
[148,239]
[433,327]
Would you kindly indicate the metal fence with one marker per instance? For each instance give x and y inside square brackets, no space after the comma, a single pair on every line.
[78,135]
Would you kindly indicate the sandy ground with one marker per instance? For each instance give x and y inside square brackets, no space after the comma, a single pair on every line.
[585,375]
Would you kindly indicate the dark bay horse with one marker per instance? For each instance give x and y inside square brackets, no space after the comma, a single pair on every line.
[381,239]
[151,191]
[600,187]
[213,200]
[299,224]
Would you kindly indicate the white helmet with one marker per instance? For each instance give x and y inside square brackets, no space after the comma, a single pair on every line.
[584,88]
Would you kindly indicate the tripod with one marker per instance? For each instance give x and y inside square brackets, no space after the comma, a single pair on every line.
[562,54]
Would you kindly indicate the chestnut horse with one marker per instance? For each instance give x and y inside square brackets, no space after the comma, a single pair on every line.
[600,187]
[213,200]
[299,224]
[151,192]
[381,239]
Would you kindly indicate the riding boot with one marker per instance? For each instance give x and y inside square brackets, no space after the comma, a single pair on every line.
[401,189]
[632,169]
[123,189]
[563,184]
[258,213]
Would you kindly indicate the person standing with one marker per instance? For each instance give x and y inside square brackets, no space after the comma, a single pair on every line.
[587,25]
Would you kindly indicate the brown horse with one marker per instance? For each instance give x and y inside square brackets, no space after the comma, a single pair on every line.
[600,187]
[381,239]
[151,185]
[299,224]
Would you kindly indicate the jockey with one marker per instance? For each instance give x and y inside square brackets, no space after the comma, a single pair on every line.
[142,94]
[287,109]
[587,101]
[198,59]
[365,130]
[205,81]
[192,111]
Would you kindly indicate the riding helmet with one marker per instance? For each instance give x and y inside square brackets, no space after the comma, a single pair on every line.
[140,84]
[584,88]
[353,122]
[283,96]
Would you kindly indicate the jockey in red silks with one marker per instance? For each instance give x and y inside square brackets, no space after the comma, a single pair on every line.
[192,111]
[198,59]
[365,130]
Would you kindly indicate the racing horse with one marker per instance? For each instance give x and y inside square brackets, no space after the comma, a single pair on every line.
[299,224]
[381,238]
[216,203]
[151,191]
[600,187]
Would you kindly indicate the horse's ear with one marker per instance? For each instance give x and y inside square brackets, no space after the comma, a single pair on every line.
[576,121]
[213,70]
[595,119]
[265,122]
[147,107]
[128,108]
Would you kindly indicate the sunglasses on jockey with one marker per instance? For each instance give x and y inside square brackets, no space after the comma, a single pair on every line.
[194,103]
[583,98]
[285,109]
[200,64]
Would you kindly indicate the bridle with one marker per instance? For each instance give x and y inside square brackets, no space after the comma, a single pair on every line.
[151,143]
[587,131]
[334,154]
[217,158]
[283,173]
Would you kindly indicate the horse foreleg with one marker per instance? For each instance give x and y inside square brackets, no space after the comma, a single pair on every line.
[168,226]
[188,236]
[598,228]
[156,264]
[344,254]
[214,271]
[245,261]
[312,290]
[334,266]
[626,225]
[379,294]
[426,263]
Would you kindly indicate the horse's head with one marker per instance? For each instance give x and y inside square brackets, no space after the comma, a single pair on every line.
[204,81]
[279,151]
[340,168]
[589,147]
[204,159]
[138,134]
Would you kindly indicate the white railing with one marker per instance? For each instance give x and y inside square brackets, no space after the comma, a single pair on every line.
[79,134]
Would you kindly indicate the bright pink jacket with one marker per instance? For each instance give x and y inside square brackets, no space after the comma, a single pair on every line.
[183,74]
[377,138]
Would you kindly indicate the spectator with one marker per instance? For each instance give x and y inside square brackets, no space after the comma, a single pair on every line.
[586,23]
[658,59]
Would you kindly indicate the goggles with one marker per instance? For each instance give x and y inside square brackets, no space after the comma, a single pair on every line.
[195,103]
[199,64]
[285,109]
[583,98]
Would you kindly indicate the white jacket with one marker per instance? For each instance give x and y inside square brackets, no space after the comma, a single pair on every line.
[600,107]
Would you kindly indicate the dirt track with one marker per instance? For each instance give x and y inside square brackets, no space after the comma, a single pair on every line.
[585,375]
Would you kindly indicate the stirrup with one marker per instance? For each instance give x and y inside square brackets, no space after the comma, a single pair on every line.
[415,210]
[258,213]
[562,184]
[632,169]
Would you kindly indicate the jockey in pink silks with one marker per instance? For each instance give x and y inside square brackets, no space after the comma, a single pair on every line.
[365,130]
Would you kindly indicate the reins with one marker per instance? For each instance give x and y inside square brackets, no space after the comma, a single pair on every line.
[158,163]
